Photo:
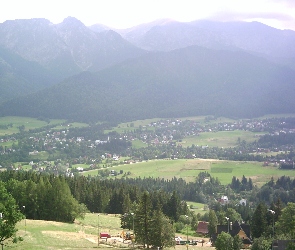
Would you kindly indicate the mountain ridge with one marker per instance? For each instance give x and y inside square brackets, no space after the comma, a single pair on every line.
[168,84]
[232,69]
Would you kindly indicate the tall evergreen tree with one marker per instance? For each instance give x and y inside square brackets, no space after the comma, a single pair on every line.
[64,207]
[259,221]
[143,218]
[173,206]
[212,225]
[162,230]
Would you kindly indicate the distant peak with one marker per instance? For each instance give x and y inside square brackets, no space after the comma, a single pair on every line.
[72,21]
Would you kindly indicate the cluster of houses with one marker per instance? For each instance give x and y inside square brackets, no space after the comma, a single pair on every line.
[243,231]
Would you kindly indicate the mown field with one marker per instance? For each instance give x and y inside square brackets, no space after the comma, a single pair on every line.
[31,123]
[220,139]
[188,169]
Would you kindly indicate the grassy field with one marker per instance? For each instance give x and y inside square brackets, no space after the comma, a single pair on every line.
[29,123]
[219,139]
[32,123]
[81,235]
[51,235]
[188,169]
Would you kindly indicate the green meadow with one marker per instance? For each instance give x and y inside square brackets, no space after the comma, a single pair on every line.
[188,169]
[29,123]
[220,139]
[82,234]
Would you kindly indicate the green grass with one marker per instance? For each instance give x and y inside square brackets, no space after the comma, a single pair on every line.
[51,235]
[188,169]
[219,139]
[198,208]
[32,123]
[29,123]
[81,235]
[71,125]
[138,144]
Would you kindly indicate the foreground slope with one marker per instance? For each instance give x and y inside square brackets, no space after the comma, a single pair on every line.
[185,82]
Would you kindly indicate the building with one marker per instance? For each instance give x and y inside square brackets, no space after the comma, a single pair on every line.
[242,230]
[202,228]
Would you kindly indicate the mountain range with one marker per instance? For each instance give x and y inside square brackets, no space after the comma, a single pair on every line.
[159,69]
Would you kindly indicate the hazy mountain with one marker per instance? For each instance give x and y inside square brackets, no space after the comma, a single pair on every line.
[20,77]
[35,53]
[98,27]
[195,68]
[179,83]
[66,48]
[254,37]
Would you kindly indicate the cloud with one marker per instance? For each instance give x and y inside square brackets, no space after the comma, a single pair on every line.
[234,16]
[286,3]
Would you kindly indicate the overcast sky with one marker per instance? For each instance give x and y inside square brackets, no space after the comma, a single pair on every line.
[127,13]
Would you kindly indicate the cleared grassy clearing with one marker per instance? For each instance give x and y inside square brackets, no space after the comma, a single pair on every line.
[56,235]
[81,235]
[190,168]
[29,123]
[138,144]
[71,125]
[32,123]
[219,139]
[198,208]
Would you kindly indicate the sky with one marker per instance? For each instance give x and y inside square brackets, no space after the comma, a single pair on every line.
[122,14]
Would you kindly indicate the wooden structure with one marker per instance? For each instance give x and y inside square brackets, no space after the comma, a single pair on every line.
[242,230]
[202,228]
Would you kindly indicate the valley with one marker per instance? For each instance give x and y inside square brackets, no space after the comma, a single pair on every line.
[154,128]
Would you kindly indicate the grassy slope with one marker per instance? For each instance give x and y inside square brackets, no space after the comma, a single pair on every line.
[55,235]
[81,235]
[29,123]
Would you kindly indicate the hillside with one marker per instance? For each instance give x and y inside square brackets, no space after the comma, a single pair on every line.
[20,77]
[254,37]
[35,53]
[66,48]
[185,82]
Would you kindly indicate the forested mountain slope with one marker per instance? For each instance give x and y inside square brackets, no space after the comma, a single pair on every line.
[184,82]
[20,77]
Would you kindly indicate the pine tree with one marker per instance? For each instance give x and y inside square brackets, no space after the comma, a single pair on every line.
[143,218]
[162,231]
[173,206]
[259,221]
[212,225]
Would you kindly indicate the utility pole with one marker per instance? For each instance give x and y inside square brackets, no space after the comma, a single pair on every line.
[98,230]
[186,232]
[133,238]
[273,224]
[24,207]
[227,224]
[1,217]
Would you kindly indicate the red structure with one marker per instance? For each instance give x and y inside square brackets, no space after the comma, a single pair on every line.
[202,227]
